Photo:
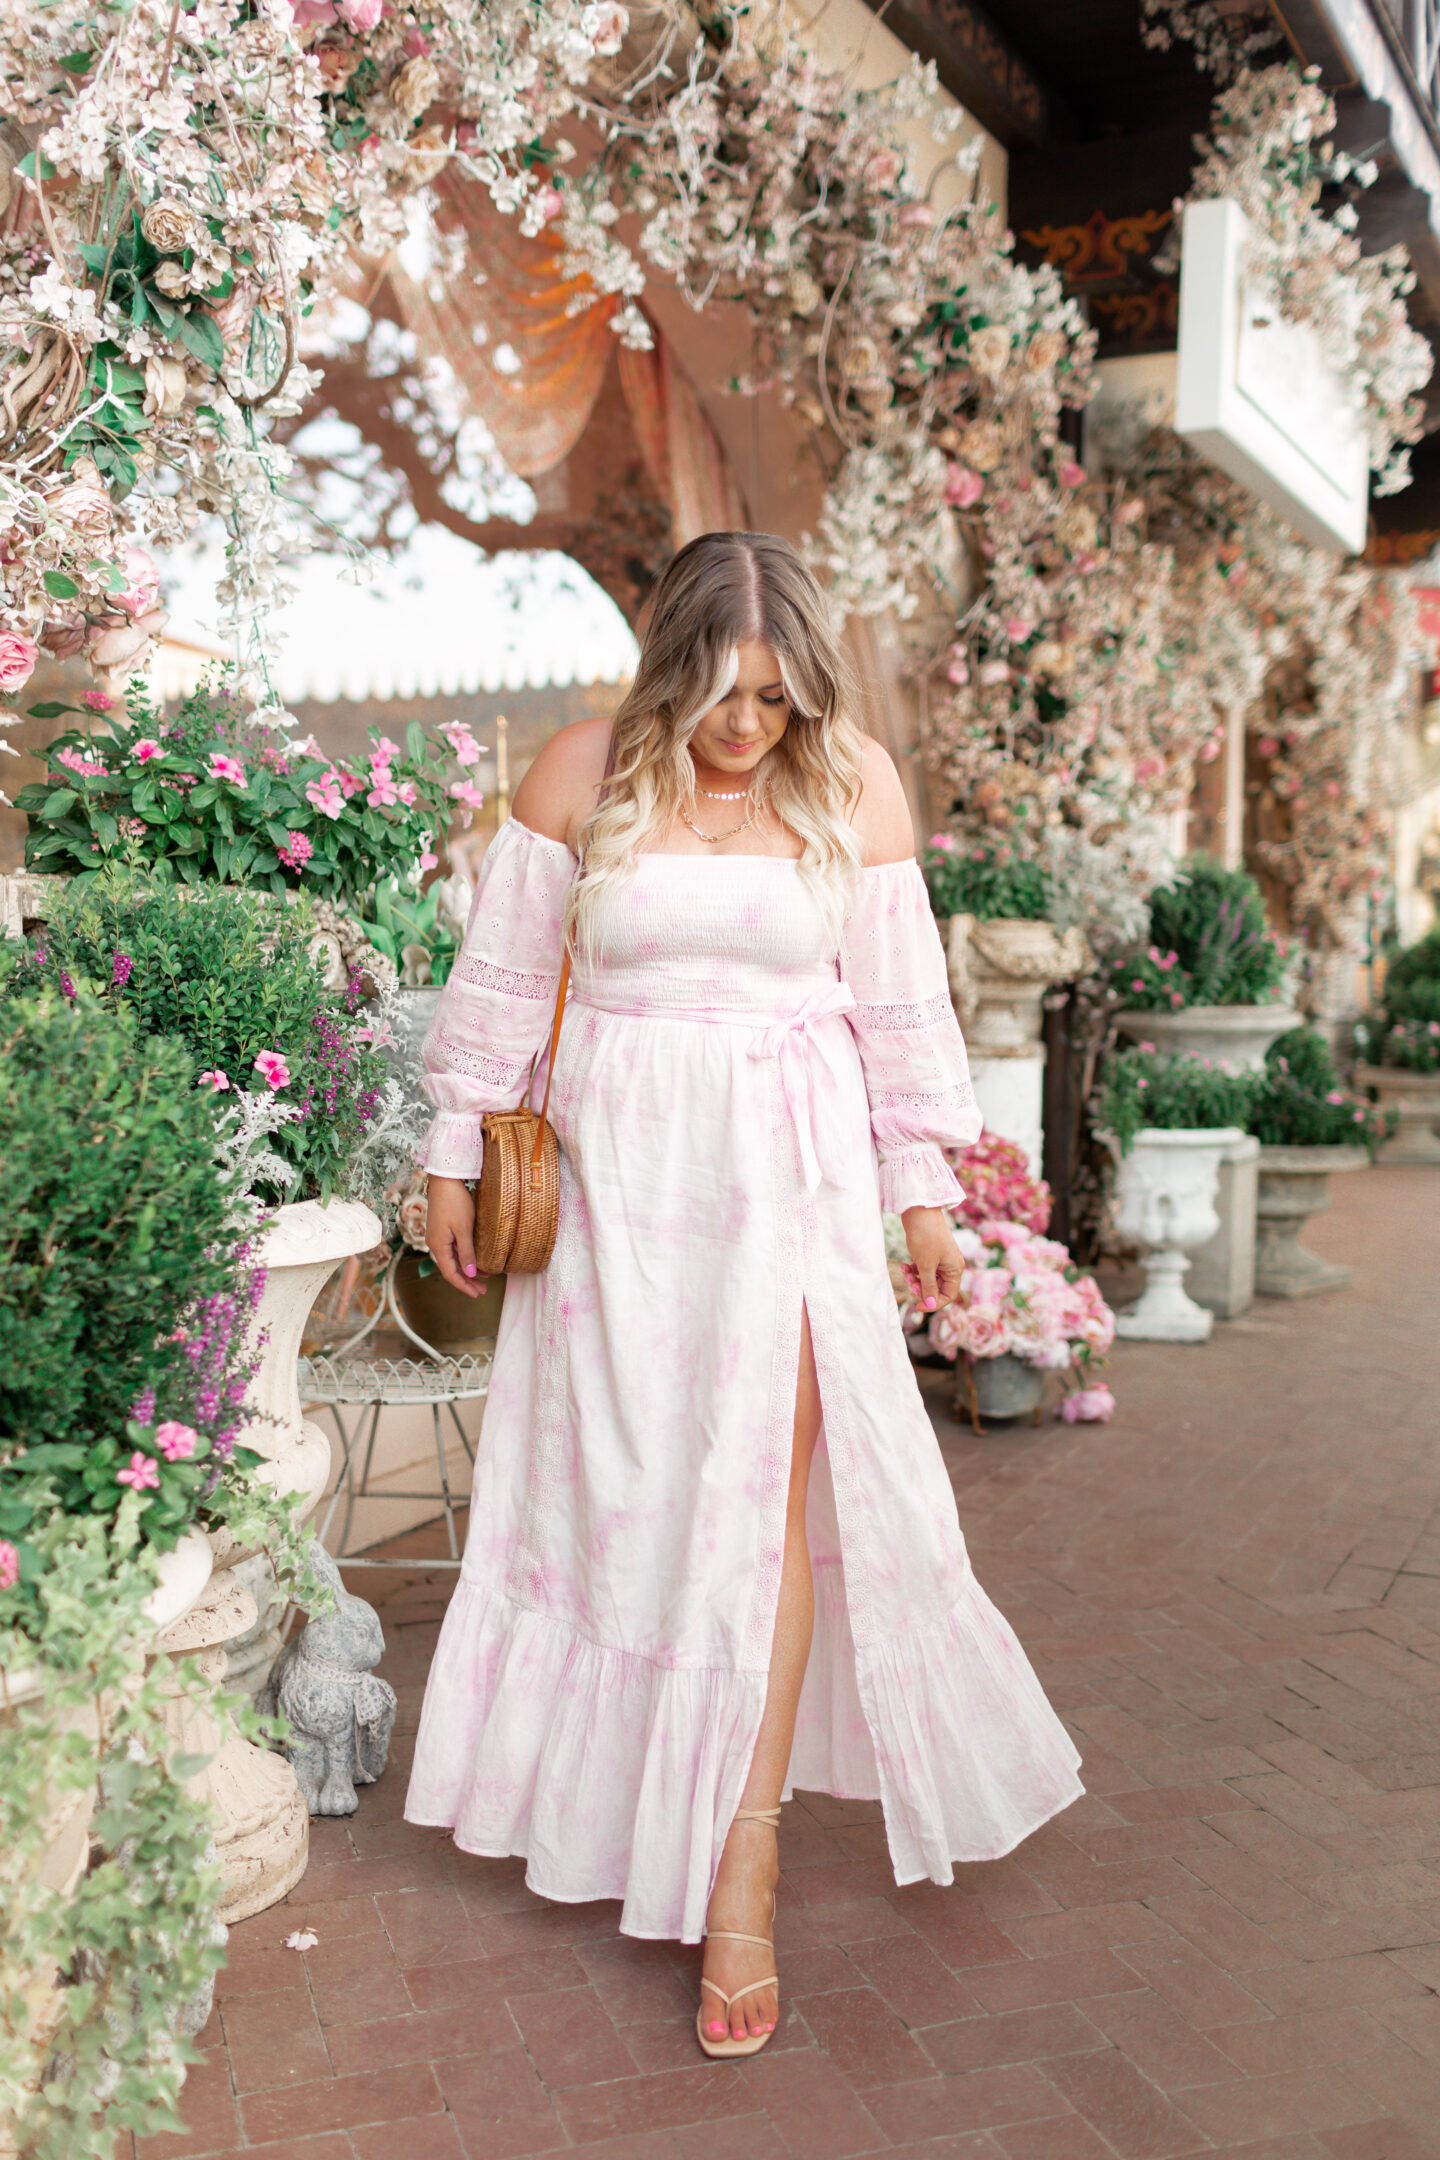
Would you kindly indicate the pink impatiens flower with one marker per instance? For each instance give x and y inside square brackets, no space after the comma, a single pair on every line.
[215,1079]
[297,853]
[465,791]
[73,762]
[226,768]
[324,794]
[175,1441]
[463,746]
[273,1069]
[142,1471]
[145,749]
[9,1565]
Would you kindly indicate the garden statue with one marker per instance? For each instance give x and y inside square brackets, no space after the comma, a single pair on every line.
[341,1717]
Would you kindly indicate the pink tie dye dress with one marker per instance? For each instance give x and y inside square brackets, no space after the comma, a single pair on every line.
[736,1100]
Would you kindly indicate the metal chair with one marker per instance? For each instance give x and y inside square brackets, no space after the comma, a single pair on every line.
[345,1376]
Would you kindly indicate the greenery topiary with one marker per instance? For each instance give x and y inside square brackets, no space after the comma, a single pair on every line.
[123,1301]
[1412,981]
[229,974]
[1300,1102]
[1209,944]
[986,879]
[1182,1094]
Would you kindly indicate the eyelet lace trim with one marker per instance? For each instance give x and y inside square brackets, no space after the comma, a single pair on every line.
[886,1017]
[493,1072]
[485,975]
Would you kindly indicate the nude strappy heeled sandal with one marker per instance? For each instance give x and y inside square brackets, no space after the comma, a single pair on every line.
[730,2046]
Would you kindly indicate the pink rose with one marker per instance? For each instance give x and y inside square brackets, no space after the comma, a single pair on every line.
[989,1335]
[1018,628]
[143,1472]
[17,661]
[273,1069]
[917,214]
[176,1442]
[145,749]
[550,203]
[215,1078]
[1071,475]
[947,1331]
[142,582]
[361,15]
[1088,1406]
[9,1565]
[226,768]
[962,486]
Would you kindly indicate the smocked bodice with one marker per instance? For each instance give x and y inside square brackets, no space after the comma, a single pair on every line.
[729,934]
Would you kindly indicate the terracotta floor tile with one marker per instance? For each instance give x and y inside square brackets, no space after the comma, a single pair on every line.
[523,1973]
[1048,1980]
[1311,2099]
[426,2137]
[459,2029]
[1013,2036]
[813,2110]
[1381,2139]
[659,2101]
[329,2145]
[1134,2115]
[570,2040]
[1058,2137]
[1163,2046]
[973,2100]
[499,2105]
[1309,2038]
[918,1986]
[273,2040]
[1199,1990]
[340,2103]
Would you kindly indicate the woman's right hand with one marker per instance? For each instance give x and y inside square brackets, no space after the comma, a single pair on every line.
[450,1233]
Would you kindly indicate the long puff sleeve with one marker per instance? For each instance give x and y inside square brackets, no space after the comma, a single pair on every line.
[495,1010]
[916,1072]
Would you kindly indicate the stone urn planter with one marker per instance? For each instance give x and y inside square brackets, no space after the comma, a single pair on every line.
[1294,1185]
[1165,1203]
[1235,1035]
[262,1825]
[1415,1100]
[999,972]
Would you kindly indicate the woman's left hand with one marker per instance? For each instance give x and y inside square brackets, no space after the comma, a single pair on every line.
[935,1254]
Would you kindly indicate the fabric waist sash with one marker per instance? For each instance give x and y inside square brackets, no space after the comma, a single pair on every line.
[810,1074]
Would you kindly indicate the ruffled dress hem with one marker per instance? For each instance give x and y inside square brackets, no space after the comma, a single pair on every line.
[615,1776]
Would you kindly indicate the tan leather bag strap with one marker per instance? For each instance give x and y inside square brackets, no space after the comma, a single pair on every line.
[537,1151]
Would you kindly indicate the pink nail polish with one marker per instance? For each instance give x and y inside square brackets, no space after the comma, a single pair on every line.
[472,1270]
[929,1304]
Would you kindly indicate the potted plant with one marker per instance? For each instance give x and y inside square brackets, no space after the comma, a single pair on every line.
[1400,1045]
[1003,956]
[1170,1119]
[1046,1316]
[212,796]
[124,1303]
[1207,981]
[1308,1128]
[1024,1311]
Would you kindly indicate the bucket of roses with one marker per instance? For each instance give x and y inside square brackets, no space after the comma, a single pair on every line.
[1024,1311]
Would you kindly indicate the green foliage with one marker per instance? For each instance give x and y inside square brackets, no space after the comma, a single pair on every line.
[210,797]
[1300,1102]
[1412,981]
[1209,944]
[1184,1094]
[1407,1045]
[395,918]
[229,973]
[986,879]
[123,1301]
[132,1940]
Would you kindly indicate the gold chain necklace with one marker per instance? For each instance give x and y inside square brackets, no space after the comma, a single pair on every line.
[713,839]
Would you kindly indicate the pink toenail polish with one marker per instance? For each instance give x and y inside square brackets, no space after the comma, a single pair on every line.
[716,2029]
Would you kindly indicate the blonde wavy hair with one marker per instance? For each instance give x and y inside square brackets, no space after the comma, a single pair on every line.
[722,590]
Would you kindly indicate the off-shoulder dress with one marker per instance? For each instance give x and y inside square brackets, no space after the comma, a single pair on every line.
[736,1099]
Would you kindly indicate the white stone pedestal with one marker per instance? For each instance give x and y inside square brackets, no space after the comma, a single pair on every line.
[1010,1092]
[1165,1202]
[1222,1270]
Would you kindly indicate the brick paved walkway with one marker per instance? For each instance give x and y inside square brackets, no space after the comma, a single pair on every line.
[1231,1945]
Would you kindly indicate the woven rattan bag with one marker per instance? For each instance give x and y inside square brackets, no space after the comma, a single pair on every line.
[517,1202]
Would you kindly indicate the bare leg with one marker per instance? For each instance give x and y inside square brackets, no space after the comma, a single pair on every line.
[749,1867]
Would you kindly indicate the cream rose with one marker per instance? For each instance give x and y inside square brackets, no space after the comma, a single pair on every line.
[414,87]
[173,280]
[989,350]
[84,505]
[165,386]
[980,445]
[168,226]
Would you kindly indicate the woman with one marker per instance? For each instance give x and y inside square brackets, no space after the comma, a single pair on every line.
[713,1549]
